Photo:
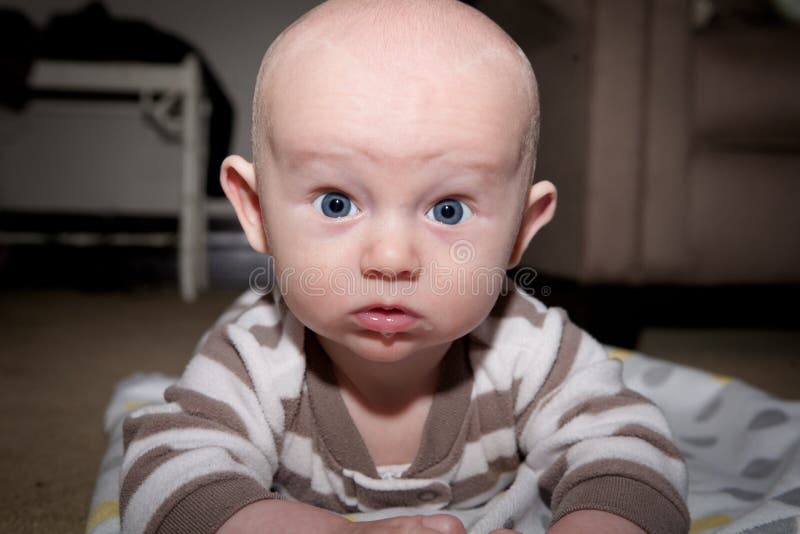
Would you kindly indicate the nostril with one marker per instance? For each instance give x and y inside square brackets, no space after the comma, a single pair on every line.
[386,274]
[382,273]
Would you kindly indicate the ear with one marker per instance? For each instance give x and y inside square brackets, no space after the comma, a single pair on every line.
[238,179]
[539,209]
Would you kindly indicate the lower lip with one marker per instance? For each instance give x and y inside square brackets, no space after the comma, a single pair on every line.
[386,321]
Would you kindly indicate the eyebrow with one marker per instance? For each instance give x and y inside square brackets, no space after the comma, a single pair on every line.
[307,154]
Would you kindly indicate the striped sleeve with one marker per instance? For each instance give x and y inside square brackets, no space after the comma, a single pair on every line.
[594,443]
[213,446]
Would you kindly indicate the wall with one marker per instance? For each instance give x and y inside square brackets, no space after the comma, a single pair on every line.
[101,157]
[555,34]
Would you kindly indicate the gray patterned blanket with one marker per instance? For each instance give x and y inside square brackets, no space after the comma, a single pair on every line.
[742,447]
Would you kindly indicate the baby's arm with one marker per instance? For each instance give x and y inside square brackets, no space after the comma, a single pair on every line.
[282,516]
[595,444]
[209,451]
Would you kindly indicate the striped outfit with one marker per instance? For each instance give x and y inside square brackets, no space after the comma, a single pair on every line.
[530,421]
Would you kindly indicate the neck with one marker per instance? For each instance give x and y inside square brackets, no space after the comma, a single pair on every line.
[388,387]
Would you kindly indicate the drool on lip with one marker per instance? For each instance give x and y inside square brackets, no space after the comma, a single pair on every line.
[386,320]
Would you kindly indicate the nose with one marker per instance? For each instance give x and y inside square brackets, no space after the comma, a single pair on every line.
[390,252]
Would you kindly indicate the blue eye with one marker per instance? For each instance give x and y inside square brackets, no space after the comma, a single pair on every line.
[449,211]
[335,205]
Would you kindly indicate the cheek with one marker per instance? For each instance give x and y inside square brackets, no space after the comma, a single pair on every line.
[465,294]
[315,279]
[296,243]
[462,315]
[484,254]
[309,297]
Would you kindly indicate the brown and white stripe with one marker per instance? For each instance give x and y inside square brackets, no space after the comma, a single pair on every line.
[257,415]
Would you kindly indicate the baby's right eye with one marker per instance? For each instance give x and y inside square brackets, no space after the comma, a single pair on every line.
[335,205]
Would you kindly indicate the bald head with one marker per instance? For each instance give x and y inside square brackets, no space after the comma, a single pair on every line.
[403,40]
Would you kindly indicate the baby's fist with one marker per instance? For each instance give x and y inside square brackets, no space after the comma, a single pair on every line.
[416,524]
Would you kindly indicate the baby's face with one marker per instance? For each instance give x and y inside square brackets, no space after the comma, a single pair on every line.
[396,187]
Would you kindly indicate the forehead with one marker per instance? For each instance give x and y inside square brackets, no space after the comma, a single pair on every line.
[418,106]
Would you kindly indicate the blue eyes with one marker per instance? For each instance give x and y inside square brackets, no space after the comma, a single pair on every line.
[447,211]
[335,205]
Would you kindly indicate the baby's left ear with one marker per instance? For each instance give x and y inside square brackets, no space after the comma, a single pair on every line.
[539,209]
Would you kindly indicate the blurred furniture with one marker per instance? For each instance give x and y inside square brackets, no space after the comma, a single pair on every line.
[161,88]
[676,151]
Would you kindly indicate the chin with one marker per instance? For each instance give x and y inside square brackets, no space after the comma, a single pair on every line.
[375,347]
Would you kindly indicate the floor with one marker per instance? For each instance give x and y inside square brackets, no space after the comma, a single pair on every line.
[765,358]
[62,353]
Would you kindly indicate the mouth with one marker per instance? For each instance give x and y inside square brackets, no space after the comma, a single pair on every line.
[386,319]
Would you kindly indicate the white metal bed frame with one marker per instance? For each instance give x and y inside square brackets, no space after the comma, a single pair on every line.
[159,87]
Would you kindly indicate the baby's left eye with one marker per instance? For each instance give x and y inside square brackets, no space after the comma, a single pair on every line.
[449,211]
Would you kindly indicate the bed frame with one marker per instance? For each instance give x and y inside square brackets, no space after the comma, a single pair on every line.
[159,87]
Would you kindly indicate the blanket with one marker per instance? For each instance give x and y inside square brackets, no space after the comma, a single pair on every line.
[741,445]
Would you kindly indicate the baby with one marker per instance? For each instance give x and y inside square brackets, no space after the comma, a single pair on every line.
[390,383]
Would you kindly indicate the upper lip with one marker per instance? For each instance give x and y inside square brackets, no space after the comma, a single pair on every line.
[378,306]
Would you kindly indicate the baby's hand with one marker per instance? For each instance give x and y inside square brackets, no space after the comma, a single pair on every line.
[595,521]
[276,516]
[417,524]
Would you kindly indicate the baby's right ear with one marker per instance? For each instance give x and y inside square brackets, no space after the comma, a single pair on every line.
[238,179]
